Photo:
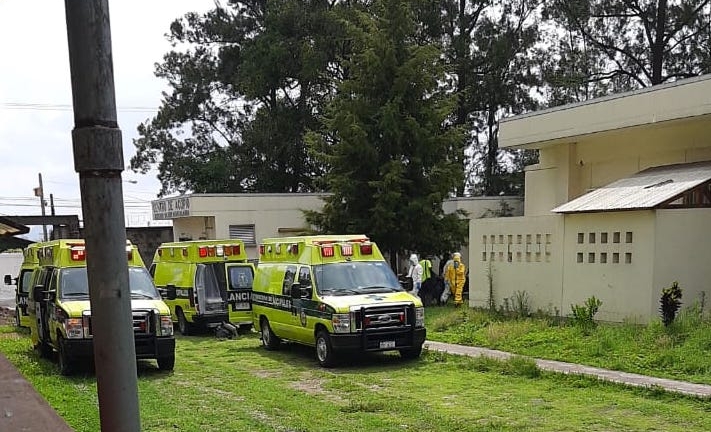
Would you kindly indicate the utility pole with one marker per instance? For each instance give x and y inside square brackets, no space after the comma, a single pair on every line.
[40,193]
[98,158]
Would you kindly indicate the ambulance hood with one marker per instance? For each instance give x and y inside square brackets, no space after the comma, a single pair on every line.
[344,302]
[75,308]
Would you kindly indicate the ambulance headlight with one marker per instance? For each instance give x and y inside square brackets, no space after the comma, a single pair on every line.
[166,325]
[74,328]
[419,317]
[341,323]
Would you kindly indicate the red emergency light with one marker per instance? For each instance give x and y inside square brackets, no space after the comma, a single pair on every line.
[78,254]
[327,251]
[366,249]
[347,250]
[202,251]
[261,249]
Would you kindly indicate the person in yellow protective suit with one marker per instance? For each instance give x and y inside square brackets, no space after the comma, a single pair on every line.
[456,276]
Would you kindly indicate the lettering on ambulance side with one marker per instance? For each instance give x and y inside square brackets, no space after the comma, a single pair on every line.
[272,301]
[240,300]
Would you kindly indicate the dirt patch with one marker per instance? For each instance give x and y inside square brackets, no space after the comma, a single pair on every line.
[7,316]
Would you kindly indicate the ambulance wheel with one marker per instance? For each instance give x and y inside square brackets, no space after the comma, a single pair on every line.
[411,353]
[183,325]
[324,350]
[45,350]
[269,339]
[66,365]
[166,363]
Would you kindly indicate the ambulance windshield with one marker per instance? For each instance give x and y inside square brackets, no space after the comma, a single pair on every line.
[73,284]
[358,277]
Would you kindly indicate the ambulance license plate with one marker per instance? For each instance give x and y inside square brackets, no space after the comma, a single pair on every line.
[387,344]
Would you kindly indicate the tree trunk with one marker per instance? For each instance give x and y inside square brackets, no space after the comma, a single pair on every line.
[658,46]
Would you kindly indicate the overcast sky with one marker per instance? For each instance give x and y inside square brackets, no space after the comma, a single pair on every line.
[35,98]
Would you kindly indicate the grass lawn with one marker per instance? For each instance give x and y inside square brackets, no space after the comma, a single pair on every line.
[681,351]
[236,385]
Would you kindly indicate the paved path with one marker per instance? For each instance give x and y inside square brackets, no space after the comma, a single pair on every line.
[683,387]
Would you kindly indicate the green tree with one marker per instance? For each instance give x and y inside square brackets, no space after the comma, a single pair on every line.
[247,80]
[637,43]
[387,141]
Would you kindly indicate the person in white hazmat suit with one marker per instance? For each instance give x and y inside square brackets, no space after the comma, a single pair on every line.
[415,273]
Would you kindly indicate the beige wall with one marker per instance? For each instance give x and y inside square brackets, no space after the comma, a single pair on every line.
[615,266]
[212,214]
[520,254]
[654,105]
[569,170]
[683,254]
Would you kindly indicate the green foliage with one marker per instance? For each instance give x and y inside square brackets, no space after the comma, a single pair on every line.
[584,315]
[386,139]
[670,303]
[518,305]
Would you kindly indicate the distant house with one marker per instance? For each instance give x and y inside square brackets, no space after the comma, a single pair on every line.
[619,206]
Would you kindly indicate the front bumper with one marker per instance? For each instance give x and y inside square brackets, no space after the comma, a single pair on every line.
[147,347]
[379,341]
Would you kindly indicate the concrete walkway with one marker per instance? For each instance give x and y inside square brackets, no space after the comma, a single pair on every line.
[683,387]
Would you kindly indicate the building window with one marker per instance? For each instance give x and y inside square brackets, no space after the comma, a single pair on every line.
[244,233]
[615,258]
[616,237]
[591,238]
[603,237]
[483,256]
[581,238]
[628,258]
[603,258]
[591,257]
[580,257]
[628,237]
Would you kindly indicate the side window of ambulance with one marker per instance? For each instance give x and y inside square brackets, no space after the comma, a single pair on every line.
[53,280]
[152,270]
[289,275]
[304,277]
[200,276]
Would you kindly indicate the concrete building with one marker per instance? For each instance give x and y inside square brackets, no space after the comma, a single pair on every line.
[252,217]
[619,206]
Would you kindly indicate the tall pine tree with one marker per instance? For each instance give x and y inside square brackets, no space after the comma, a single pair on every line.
[387,140]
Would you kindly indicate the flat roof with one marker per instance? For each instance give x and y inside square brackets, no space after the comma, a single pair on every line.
[678,100]
[11,228]
[644,190]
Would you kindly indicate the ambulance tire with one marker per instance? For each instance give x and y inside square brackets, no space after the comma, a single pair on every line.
[184,326]
[411,353]
[66,365]
[269,339]
[324,349]
[166,363]
[45,350]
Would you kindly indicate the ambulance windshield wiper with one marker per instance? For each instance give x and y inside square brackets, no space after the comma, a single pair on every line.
[339,291]
[142,295]
[378,288]
[75,294]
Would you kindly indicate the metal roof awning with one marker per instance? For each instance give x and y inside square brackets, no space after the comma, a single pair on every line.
[10,228]
[645,190]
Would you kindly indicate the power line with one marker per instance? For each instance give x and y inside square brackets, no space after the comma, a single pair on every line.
[65,107]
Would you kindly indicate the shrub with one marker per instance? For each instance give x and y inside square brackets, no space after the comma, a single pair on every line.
[584,315]
[670,303]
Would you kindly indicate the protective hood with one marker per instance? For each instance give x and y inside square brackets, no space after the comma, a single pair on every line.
[413,258]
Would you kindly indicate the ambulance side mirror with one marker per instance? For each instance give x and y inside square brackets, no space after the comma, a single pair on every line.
[170,292]
[299,291]
[8,280]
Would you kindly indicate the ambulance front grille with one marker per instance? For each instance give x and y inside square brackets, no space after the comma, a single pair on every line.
[386,317]
[142,323]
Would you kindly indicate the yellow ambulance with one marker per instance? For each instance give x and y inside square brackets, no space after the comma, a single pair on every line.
[22,283]
[60,310]
[334,292]
[205,283]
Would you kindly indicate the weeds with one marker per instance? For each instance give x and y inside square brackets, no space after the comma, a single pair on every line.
[670,303]
[584,315]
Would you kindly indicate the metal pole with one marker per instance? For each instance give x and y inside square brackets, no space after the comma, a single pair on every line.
[41,194]
[98,158]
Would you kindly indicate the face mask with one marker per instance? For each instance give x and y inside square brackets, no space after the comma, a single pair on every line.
[456,264]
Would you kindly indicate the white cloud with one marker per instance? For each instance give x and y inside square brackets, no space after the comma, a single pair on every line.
[35,70]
